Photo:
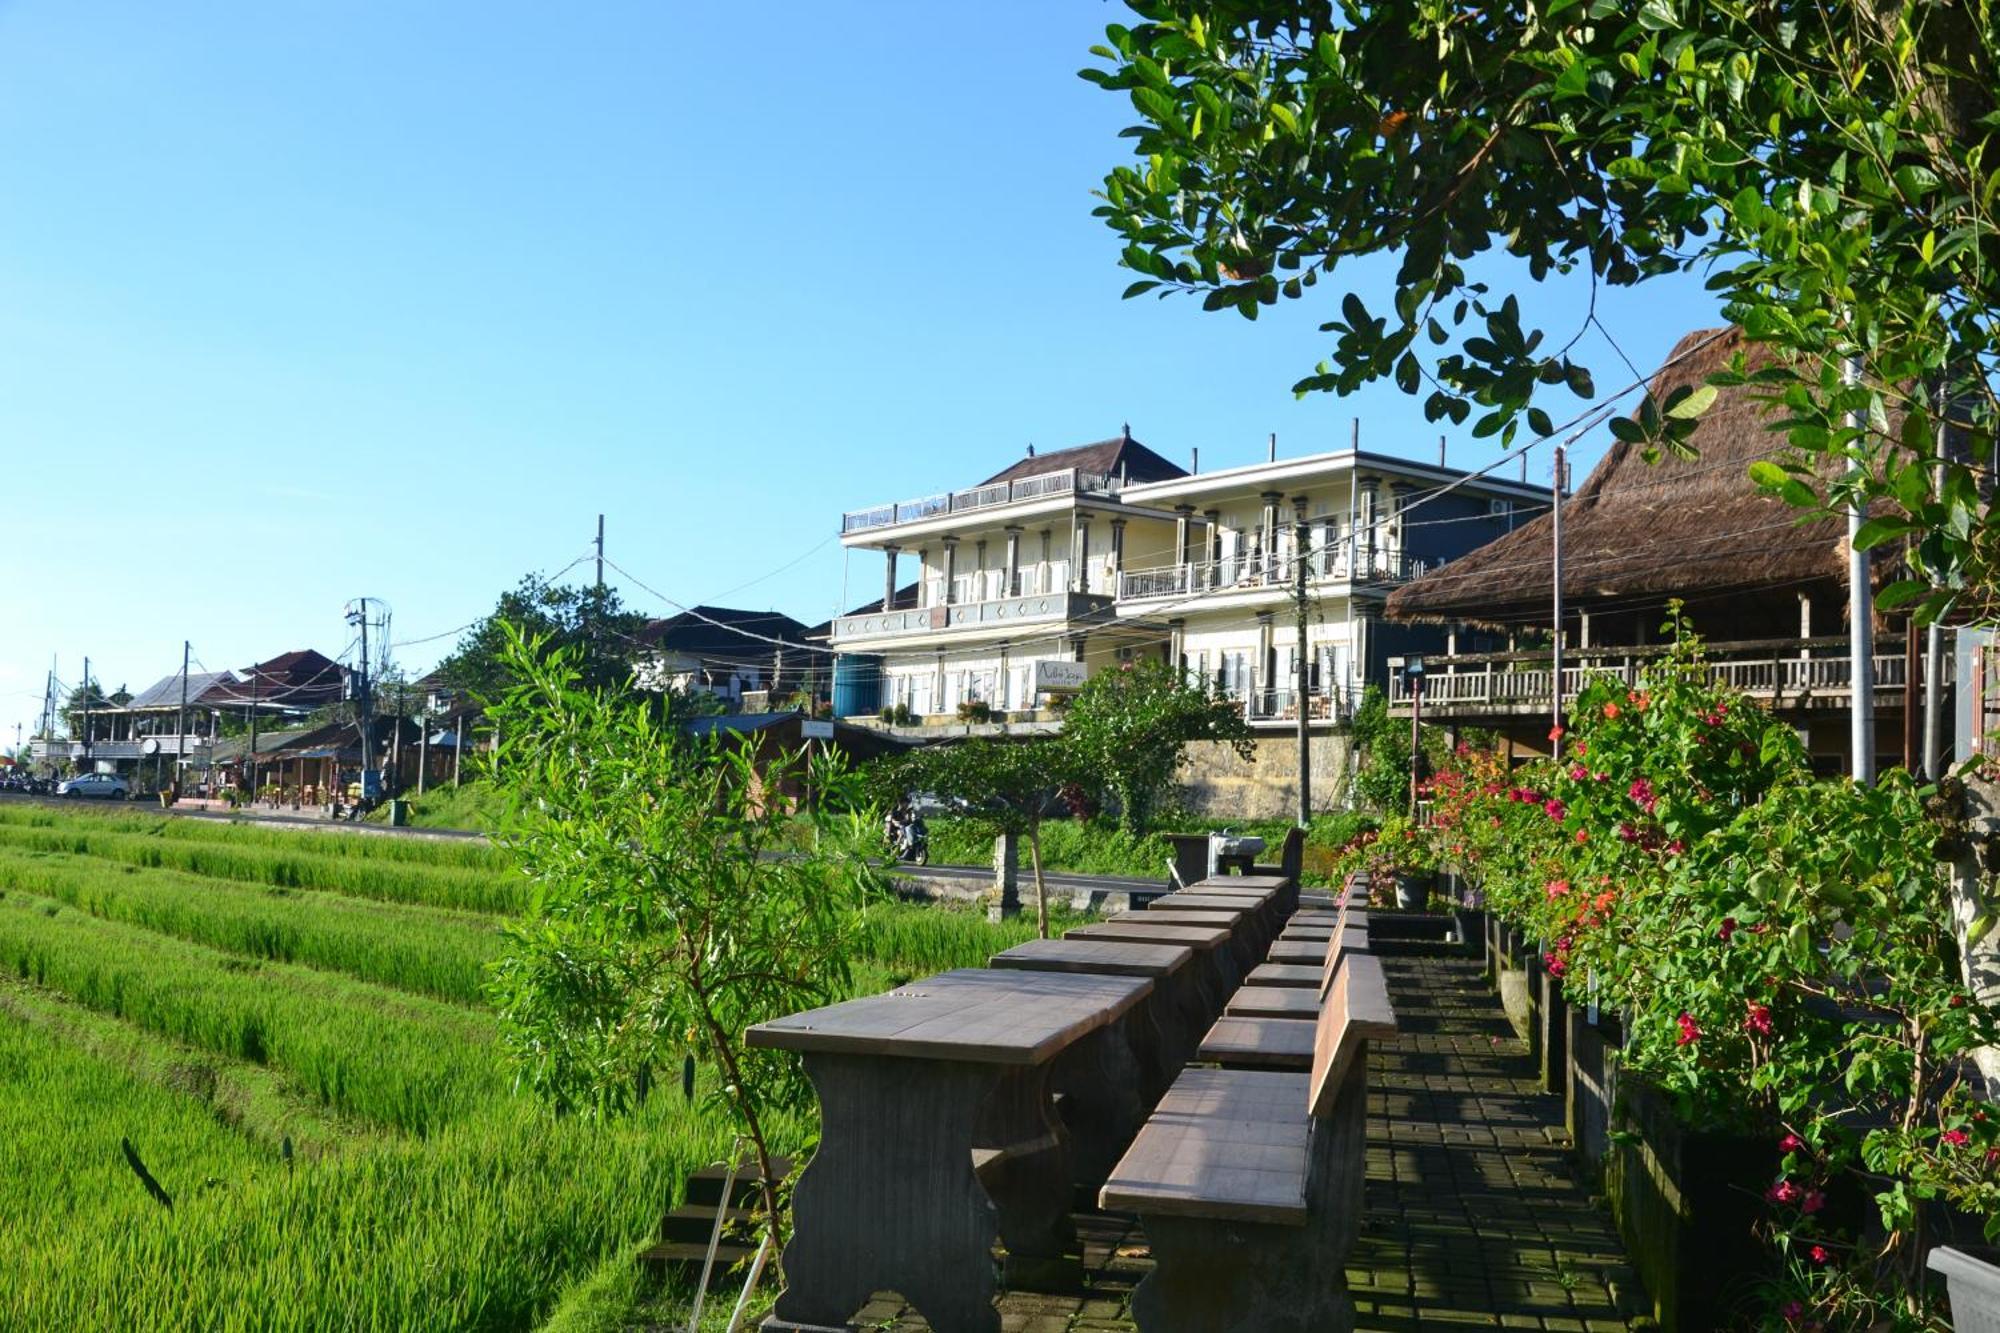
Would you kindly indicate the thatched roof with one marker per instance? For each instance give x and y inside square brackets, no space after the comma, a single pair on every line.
[1676,528]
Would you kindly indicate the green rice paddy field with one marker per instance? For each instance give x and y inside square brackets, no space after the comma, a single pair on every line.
[288,1029]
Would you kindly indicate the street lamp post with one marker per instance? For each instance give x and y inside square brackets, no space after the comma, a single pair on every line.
[1413,672]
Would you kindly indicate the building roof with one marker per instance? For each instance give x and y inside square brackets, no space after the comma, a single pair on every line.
[1677,527]
[166,692]
[723,632]
[1119,456]
[302,678]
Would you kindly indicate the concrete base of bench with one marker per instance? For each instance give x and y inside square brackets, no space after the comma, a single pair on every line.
[1244,1277]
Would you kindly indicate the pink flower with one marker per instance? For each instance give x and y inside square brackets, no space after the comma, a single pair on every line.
[1690,1030]
[1641,792]
[1819,1254]
[1556,888]
[1955,1137]
[1627,833]
[1783,1192]
[1728,929]
[1578,773]
[1554,809]
[1555,733]
[1758,1020]
[1555,965]
[1676,847]
[1791,1143]
[1582,836]
[1793,1312]
[1813,1201]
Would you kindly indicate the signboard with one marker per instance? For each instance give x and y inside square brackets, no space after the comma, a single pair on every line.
[815,730]
[1060,677]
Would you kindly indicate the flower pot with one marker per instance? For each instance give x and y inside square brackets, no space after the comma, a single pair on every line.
[1412,892]
[1973,1278]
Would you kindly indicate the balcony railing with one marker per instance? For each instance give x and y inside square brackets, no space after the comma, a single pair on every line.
[1068,481]
[1786,673]
[1245,571]
[1033,607]
[1272,705]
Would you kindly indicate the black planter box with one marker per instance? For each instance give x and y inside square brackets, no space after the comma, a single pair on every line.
[1687,1202]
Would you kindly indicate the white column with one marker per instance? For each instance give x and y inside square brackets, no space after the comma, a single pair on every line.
[1013,575]
[950,570]
[889,579]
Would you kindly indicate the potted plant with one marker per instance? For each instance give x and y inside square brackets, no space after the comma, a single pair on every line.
[1402,862]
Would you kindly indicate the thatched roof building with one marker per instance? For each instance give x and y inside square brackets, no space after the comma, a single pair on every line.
[1636,535]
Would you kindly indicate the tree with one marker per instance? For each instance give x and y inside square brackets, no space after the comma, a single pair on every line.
[1830,166]
[590,619]
[1130,729]
[1007,786]
[660,924]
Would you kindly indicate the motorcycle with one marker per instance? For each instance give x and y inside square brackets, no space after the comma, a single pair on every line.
[913,843]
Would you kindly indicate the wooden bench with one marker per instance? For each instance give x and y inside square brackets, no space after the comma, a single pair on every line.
[1249,1182]
[1215,954]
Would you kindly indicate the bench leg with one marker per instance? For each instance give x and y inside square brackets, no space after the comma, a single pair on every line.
[1239,1277]
[889,1202]
[1030,1183]
[1106,1080]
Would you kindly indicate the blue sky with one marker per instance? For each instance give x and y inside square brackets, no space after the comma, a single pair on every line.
[307,301]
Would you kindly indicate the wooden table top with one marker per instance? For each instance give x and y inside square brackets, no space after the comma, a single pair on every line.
[1117,958]
[1245,883]
[979,1015]
[1175,902]
[1189,916]
[1133,928]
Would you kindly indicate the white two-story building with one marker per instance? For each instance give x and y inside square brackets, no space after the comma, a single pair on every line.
[1108,551]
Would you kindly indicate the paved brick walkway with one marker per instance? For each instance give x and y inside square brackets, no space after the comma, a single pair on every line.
[1474,1220]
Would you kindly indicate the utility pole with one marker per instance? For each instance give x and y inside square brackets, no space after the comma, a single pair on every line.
[600,553]
[250,758]
[1934,763]
[181,719]
[1860,625]
[1556,582]
[1301,541]
[86,710]
[364,703]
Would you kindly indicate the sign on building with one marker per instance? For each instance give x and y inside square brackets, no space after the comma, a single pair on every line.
[1054,676]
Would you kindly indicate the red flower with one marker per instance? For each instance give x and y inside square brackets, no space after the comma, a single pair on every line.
[1556,966]
[1783,1192]
[1556,732]
[1676,847]
[1641,792]
[1813,1201]
[1690,1030]
[1958,1002]
[1610,712]
[1582,747]
[1555,809]
[1758,1020]
[1556,888]
[1819,1254]
[1582,836]
[1578,773]
[1791,1143]
[1728,929]
[1955,1137]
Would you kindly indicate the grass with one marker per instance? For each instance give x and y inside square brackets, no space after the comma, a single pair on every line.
[425,950]
[286,865]
[177,983]
[394,1059]
[476,1229]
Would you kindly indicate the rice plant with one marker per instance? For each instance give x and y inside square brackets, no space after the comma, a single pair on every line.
[280,865]
[396,1059]
[428,950]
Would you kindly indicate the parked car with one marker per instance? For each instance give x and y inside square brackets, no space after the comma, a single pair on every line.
[104,786]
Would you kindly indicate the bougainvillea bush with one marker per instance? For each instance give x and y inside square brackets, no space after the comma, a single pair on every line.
[1781,949]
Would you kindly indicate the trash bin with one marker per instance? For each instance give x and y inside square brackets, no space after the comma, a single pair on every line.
[399,813]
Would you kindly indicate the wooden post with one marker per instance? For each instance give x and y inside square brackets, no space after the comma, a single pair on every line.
[458,750]
[1914,761]
[424,756]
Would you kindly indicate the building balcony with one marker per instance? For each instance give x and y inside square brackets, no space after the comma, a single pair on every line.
[1789,674]
[1247,573]
[990,613]
[1267,707]
[1069,481]
[143,747]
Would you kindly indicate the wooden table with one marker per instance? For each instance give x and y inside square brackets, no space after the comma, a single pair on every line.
[1214,946]
[1259,923]
[911,1084]
[1246,927]
[1174,1008]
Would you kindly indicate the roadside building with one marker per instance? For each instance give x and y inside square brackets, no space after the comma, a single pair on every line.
[729,653]
[1765,589]
[1086,557]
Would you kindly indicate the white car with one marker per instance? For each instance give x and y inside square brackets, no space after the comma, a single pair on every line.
[102,785]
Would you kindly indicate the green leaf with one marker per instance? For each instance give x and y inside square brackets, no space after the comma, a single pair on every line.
[1694,403]
[1901,593]
[1878,530]
[1768,475]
